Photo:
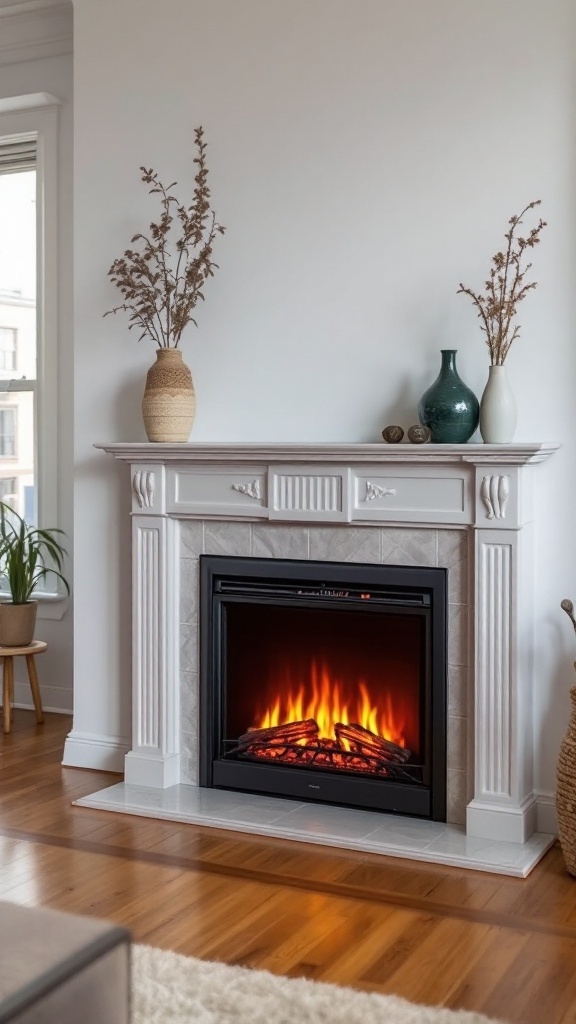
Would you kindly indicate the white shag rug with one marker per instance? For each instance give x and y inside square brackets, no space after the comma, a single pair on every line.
[171,989]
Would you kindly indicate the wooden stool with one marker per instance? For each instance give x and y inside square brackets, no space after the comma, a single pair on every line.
[8,654]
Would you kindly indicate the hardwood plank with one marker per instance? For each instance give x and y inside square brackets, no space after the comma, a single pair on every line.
[437,935]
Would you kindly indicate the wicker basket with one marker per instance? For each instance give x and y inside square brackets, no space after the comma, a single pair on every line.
[566,790]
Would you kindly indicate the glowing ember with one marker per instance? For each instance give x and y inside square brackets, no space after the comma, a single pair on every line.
[328,701]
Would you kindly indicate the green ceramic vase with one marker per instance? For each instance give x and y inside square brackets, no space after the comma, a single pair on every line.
[449,408]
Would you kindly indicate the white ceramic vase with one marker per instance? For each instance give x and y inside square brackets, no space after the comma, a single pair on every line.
[497,408]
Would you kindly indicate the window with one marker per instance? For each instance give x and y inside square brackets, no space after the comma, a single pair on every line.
[7,487]
[8,342]
[7,433]
[18,259]
[28,305]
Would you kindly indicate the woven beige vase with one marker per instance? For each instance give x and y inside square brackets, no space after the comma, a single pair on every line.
[566,790]
[169,402]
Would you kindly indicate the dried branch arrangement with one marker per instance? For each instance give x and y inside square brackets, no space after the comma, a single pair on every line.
[506,287]
[163,278]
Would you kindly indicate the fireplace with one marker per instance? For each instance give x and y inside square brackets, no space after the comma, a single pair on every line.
[465,511]
[324,681]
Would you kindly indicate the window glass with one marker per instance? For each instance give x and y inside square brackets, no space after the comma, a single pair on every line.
[18,339]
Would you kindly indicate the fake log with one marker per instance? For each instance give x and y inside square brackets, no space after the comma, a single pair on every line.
[368,743]
[280,735]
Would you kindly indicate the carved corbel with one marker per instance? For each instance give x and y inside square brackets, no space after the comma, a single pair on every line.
[143,484]
[494,492]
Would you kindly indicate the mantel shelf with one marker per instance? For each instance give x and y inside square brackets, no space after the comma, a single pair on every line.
[520,454]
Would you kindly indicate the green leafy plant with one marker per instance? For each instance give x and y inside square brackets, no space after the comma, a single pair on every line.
[25,555]
[163,277]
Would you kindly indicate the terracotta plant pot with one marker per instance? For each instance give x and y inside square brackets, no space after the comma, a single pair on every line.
[17,623]
[169,403]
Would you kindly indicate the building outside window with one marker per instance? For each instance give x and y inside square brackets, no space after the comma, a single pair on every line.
[7,488]
[8,343]
[8,433]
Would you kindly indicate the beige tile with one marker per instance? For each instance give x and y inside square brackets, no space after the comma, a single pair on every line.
[345,544]
[189,701]
[191,538]
[457,634]
[456,798]
[228,539]
[188,648]
[458,582]
[279,541]
[409,547]
[452,546]
[189,590]
[457,735]
[458,691]
[189,769]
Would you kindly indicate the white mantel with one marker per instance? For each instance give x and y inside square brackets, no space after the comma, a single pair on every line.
[483,490]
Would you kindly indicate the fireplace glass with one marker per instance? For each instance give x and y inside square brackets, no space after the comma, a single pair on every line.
[325,681]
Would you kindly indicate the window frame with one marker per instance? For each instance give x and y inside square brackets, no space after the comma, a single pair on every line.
[37,114]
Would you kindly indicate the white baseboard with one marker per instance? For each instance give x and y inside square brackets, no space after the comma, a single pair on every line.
[89,750]
[546,820]
[45,707]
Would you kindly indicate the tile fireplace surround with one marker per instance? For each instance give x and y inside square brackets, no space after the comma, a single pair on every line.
[467,508]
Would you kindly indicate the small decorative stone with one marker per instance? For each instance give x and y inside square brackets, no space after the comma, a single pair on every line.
[393,435]
[418,434]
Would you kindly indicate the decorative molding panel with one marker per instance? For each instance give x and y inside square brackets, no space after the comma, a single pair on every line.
[34,30]
[251,490]
[143,483]
[495,491]
[146,640]
[375,491]
[493,691]
[307,493]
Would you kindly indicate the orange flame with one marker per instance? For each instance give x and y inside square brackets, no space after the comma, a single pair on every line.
[327,704]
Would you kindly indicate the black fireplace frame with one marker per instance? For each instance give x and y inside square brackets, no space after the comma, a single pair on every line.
[405,584]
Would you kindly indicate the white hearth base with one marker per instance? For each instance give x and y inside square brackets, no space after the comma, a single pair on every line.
[338,827]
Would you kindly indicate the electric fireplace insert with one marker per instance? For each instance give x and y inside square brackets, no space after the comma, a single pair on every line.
[324,681]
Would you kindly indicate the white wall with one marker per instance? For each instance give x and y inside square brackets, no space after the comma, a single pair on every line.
[365,156]
[20,75]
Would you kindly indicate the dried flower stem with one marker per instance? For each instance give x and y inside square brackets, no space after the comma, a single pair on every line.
[505,288]
[160,298]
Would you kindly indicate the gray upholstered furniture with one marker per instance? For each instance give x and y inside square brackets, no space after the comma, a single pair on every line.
[60,968]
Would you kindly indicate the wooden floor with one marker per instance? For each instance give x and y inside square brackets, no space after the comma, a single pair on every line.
[438,935]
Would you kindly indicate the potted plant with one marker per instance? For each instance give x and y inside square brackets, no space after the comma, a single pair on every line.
[27,556]
[162,278]
[497,307]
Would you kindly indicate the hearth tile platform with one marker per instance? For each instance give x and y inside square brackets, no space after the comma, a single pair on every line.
[338,827]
